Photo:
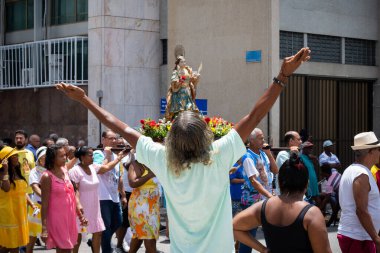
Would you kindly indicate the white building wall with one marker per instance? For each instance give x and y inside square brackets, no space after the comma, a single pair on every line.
[218,33]
[124,59]
[344,18]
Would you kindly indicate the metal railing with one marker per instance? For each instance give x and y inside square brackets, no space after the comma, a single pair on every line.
[44,63]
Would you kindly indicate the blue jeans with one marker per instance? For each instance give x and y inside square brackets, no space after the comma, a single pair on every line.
[111,215]
[244,248]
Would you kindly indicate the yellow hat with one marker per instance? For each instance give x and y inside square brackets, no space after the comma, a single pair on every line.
[7,152]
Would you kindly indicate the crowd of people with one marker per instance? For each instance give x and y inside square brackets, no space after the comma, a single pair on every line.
[85,189]
[75,191]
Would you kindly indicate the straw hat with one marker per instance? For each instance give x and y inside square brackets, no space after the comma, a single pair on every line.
[7,152]
[365,140]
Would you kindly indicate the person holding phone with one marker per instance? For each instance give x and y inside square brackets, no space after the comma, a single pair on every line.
[259,167]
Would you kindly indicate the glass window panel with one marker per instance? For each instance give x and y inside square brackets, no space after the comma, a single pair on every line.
[69,11]
[360,52]
[82,10]
[325,48]
[15,15]
[30,14]
[290,43]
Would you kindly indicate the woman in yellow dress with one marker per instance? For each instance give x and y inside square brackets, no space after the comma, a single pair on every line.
[14,231]
[182,91]
[143,208]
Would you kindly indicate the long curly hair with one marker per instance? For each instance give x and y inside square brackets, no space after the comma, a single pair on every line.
[188,141]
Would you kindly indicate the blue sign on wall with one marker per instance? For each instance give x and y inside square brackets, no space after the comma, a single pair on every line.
[201,103]
[253,56]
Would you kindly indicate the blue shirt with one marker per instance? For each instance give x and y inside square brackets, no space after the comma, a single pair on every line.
[33,149]
[235,188]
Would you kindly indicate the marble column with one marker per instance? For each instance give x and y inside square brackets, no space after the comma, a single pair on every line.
[124,60]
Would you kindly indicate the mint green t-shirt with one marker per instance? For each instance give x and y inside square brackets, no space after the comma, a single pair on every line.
[198,201]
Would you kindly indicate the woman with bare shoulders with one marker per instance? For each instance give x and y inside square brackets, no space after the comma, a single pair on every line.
[289,223]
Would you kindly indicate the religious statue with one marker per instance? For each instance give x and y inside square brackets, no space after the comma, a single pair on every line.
[182,91]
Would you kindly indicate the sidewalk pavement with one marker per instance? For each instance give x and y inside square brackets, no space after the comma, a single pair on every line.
[165,247]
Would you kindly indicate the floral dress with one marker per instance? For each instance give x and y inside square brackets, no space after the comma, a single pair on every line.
[144,210]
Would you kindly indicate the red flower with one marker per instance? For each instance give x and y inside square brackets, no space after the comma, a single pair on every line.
[152,123]
[207,119]
[142,122]
[183,77]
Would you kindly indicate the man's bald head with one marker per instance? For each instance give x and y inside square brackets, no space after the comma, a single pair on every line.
[35,141]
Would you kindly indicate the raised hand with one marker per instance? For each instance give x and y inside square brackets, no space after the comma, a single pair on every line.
[73,92]
[290,64]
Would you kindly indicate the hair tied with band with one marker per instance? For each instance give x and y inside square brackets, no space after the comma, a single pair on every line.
[295,161]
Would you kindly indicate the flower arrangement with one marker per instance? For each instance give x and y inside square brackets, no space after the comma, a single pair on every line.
[219,126]
[158,130]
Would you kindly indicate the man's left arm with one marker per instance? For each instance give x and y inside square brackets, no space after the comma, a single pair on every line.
[361,188]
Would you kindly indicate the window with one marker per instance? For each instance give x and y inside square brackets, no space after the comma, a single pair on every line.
[19,15]
[164,51]
[290,43]
[325,48]
[68,11]
[360,52]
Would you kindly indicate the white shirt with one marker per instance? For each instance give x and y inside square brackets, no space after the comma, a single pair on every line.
[324,158]
[34,178]
[126,160]
[282,156]
[349,224]
[109,181]
[250,168]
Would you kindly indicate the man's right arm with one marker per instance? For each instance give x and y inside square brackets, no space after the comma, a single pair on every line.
[108,119]
[361,188]
[252,173]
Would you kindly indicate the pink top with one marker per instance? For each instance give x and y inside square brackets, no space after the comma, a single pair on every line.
[89,197]
[332,184]
[61,214]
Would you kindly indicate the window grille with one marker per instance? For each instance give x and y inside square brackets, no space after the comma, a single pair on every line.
[360,52]
[290,43]
[325,48]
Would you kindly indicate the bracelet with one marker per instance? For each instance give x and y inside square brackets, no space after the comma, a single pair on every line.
[6,177]
[277,81]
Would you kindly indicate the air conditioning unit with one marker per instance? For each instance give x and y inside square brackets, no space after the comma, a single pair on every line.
[27,77]
[56,67]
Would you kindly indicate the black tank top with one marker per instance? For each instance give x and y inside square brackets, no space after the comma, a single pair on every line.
[292,238]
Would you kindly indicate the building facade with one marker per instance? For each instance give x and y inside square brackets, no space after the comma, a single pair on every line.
[126,48]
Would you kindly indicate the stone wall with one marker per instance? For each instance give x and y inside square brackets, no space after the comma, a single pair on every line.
[42,111]
[124,59]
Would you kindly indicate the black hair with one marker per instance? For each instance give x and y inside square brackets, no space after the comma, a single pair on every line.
[293,176]
[14,170]
[21,131]
[51,153]
[288,136]
[105,132]
[45,143]
[54,137]
[82,151]
[326,169]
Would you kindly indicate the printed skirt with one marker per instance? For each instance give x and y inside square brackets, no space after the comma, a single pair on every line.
[144,213]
